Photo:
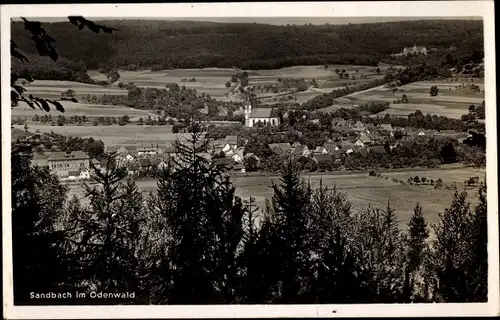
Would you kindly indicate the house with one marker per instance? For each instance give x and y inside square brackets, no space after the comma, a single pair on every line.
[235,153]
[376,138]
[346,144]
[62,163]
[252,155]
[320,157]
[20,135]
[359,126]
[122,151]
[427,132]
[73,175]
[414,50]
[331,146]
[336,155]
[148,151]
[349,149]
[96,163]
[162,165]
[281,149]
[301,151]
[84,174]
[386,127]
[226,162]
[362,141]
[41,160]
[132,168]
[259,116]
[145,163]
[320,150]
[339,122]
[232,141]
[448,132]
[239,167]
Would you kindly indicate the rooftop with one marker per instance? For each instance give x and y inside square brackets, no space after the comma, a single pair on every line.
[261,113]
[74,155]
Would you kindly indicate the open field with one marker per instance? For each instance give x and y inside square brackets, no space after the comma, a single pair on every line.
[112,135]
[451,101]
[51,89]
[361,189]
[80,109]
[212,80]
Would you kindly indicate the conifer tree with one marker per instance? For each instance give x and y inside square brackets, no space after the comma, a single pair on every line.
[459,252]
[105,235]
[291,224]
[203,224]
[37,204]
[381,254]
[416,248]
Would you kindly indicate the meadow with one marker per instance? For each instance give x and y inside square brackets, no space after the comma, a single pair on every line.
[361,189]
[213,80]
[452,101]
[52,89]
[89,110]
[112,135]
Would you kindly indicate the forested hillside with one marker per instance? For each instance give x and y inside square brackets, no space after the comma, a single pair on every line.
[182,44]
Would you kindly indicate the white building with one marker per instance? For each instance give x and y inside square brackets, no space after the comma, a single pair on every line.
[258,116]
[85,174]
[415,50]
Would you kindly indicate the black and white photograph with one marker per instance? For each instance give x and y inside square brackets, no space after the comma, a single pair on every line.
[315,159]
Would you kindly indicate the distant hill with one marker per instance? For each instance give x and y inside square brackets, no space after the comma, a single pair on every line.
[147,44]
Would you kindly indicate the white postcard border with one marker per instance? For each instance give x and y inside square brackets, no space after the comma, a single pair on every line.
[483,9]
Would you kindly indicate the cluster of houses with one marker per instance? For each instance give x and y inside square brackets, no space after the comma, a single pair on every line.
[350,137]
[365,138]
[223,151]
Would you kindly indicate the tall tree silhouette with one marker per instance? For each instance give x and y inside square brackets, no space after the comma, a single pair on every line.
[37,205]
[203,221]
[106,234]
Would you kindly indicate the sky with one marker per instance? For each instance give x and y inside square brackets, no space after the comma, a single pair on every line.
[282,20]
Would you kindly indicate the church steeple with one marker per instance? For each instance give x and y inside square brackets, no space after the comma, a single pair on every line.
[248,111]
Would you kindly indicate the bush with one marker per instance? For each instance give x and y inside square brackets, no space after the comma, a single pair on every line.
[434,91]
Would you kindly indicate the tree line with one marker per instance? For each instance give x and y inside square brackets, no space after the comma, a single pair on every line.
[159,44]
[172,101]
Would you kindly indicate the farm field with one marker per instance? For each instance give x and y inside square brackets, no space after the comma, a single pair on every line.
[89,110]
[51,89]
[112,135]
[212,80]
[451,101]
[361,189]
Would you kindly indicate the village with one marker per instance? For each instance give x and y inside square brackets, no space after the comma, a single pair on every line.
[351,138]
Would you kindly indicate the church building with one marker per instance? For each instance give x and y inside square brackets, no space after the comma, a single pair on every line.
[259,116]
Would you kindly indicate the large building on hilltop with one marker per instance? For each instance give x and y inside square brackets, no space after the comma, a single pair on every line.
[259,116]
[415,50]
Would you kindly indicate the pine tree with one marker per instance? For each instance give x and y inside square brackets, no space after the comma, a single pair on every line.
[479,268]
[379,244]
[459,258]
[416,246]
[105,235]
[37,204]
[291,226]
[203,224]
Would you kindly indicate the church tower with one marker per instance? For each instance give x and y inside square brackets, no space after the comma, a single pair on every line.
[248,111]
